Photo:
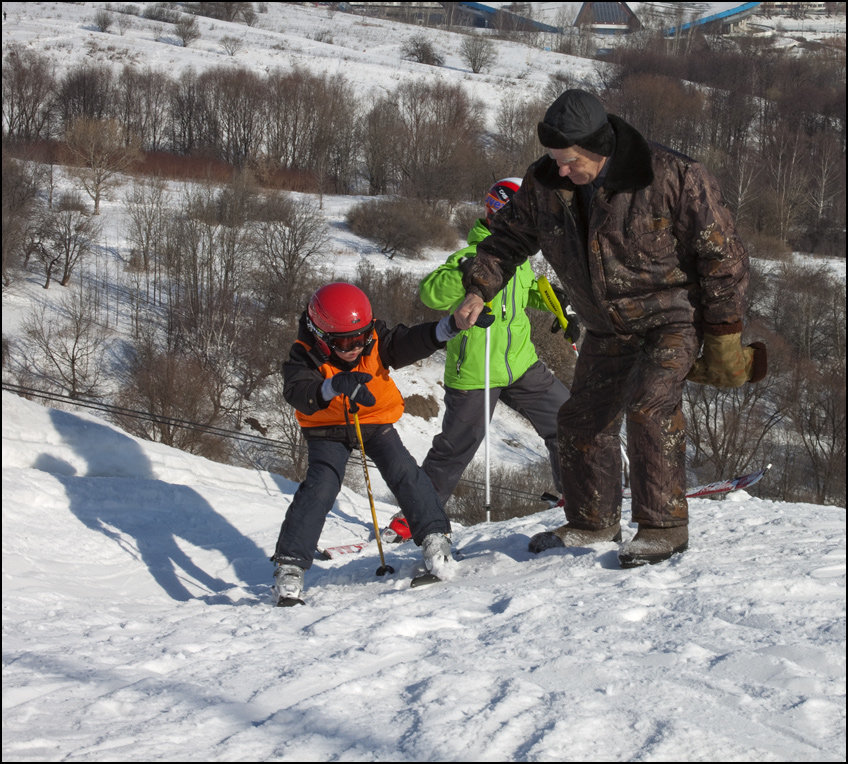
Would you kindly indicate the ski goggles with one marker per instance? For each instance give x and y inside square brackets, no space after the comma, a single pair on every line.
[343,343]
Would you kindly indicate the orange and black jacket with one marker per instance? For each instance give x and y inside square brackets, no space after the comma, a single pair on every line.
[307,367]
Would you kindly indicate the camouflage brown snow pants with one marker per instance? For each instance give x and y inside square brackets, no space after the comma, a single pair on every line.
[641,377]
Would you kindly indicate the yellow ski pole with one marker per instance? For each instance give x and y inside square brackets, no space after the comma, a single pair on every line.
[550,298]
[383,569]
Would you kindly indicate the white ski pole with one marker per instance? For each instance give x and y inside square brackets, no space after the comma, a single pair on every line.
[552,301]
[486,400]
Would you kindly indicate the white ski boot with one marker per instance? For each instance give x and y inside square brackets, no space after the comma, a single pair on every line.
[436,550]
[288,584]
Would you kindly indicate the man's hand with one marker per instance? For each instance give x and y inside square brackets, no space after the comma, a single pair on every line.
[572,329]
[725,363]
[466,314]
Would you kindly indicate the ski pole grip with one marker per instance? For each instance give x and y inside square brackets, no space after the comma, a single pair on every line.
[549,296]
[485,319]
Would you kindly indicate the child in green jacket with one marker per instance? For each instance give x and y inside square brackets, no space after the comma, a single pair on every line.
[516,375]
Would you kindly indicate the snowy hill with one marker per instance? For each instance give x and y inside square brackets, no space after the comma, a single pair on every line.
[138,626]
[138,623]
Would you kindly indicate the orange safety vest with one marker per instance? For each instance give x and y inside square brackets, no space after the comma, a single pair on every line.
[387,410]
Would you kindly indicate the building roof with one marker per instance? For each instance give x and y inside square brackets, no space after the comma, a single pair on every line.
[721,17]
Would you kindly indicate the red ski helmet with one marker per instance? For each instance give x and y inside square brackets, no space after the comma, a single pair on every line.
[499,195]
[339,315]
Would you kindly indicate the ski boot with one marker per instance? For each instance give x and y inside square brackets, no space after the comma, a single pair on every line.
[397,531]
[288,584]
[436,550]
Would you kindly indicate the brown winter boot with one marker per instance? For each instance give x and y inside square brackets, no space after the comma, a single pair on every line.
[567,535]
[652,545]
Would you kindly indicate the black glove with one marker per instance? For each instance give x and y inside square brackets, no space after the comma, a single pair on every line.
[486,318]
[572,330]
[352,384]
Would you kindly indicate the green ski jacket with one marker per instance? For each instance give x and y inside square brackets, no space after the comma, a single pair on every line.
[511,352]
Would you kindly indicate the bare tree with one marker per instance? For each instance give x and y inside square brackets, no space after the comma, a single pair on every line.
[124,22]
[740,184]
[19,186]
[141,105]
[728,429]
[28,91]
[818,418]
[187,29]
[146,209]
[441,135]
[377,131]
[783,158]
[289,234]
[102,152]
[231,45]
[68,235]
[826,186]
[67,349]
[256,351]
[478,52]
[181,396]
[515,145]
[239,97]
[419,48]
[289,432]
[84,92]
[310,126]
[102,20]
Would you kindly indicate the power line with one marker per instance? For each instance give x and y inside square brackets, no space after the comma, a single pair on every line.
[219,431]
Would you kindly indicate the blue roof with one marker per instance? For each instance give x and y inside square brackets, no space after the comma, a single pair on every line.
[744,9]
[490,11]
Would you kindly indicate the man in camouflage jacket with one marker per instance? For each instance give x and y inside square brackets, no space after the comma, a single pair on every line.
[649,257]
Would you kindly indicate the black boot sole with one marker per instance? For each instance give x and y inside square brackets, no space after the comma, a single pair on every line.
[638,560]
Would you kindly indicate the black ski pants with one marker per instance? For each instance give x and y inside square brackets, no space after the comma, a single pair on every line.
[537,395]
[316,495]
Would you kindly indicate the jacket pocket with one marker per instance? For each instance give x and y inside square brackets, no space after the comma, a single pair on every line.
[460,356]
[652,244]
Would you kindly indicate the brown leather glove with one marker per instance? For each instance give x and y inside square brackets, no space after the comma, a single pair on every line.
[725,363]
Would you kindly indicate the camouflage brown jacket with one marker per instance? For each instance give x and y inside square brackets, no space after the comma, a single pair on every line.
[659,246]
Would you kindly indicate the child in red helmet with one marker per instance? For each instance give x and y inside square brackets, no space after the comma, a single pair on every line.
[342,356]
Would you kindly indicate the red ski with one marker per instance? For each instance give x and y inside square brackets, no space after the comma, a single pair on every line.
[722,486]
[332,552]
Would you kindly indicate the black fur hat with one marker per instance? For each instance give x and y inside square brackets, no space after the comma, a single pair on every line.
[577,118]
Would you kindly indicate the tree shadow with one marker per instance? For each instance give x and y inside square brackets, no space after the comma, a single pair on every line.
[121,497]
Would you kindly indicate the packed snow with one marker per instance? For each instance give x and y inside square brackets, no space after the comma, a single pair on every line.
[139,625]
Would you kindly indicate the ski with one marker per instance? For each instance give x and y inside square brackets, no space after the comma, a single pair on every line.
[332,552]
[423,579]
[722,486]
[289,601]
[708,489]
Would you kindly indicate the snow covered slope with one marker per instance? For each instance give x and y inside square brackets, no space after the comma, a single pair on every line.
[138,626]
